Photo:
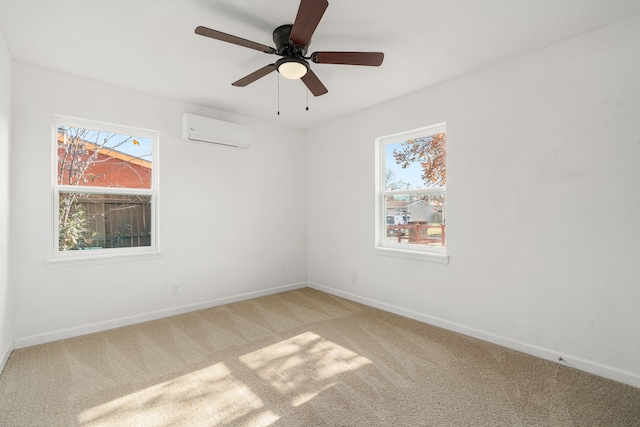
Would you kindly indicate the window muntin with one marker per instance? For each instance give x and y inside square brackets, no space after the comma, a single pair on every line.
[105,188]
[412,190]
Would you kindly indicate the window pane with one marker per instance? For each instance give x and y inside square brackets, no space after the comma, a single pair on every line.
[98,221]
[416,163]
[415,219]
[101,159]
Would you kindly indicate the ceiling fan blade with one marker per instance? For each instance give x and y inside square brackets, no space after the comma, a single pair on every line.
[255,75]
[218,35]
[309,14]
[313,83]
[348,58]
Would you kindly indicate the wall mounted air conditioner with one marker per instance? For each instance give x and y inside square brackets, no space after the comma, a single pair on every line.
[205,129]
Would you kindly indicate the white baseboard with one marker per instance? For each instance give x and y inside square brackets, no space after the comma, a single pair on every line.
[5,356]
[579,363]
[125,321]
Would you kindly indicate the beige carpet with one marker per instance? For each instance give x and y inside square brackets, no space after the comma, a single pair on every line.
[300,358]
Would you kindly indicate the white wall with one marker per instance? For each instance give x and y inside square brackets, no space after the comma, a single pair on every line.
[233,223]
[543,204]
[6,338]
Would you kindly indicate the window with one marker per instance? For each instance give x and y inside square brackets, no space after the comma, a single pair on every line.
[105,189]
[411,188]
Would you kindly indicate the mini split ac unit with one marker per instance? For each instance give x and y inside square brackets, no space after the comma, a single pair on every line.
[204,129]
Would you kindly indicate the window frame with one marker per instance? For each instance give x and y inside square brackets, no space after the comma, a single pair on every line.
[437,254]
[60,258]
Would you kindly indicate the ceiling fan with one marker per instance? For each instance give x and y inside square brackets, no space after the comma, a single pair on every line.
[292,43]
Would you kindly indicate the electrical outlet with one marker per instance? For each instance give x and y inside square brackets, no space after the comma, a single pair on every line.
[175,290]
[354,277]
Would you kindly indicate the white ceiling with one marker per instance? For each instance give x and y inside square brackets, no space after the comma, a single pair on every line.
[150,45]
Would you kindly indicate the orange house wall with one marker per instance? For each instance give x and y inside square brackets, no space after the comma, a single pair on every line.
[112,172]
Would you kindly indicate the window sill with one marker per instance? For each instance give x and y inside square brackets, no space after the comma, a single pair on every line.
[413,255]
[112,258]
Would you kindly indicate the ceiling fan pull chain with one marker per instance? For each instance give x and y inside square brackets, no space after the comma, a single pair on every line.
[278,93]
[307,92]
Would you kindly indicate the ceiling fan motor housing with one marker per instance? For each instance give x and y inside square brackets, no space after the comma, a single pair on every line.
[283,46]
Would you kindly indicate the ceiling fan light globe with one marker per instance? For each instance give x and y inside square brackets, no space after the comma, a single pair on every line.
[292,70]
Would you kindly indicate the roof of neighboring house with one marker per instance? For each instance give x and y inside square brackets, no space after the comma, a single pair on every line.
[420,201]
[110,152]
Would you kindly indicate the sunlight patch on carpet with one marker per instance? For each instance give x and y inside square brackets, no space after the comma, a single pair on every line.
[303,366]
[210,396]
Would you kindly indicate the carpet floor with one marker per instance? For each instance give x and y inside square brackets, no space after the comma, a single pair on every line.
[299,358]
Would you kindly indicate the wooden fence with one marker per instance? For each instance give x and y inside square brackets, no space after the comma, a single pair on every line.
[418,233]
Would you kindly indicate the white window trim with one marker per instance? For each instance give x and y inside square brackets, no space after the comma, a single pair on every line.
[398,250]
[61,259]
